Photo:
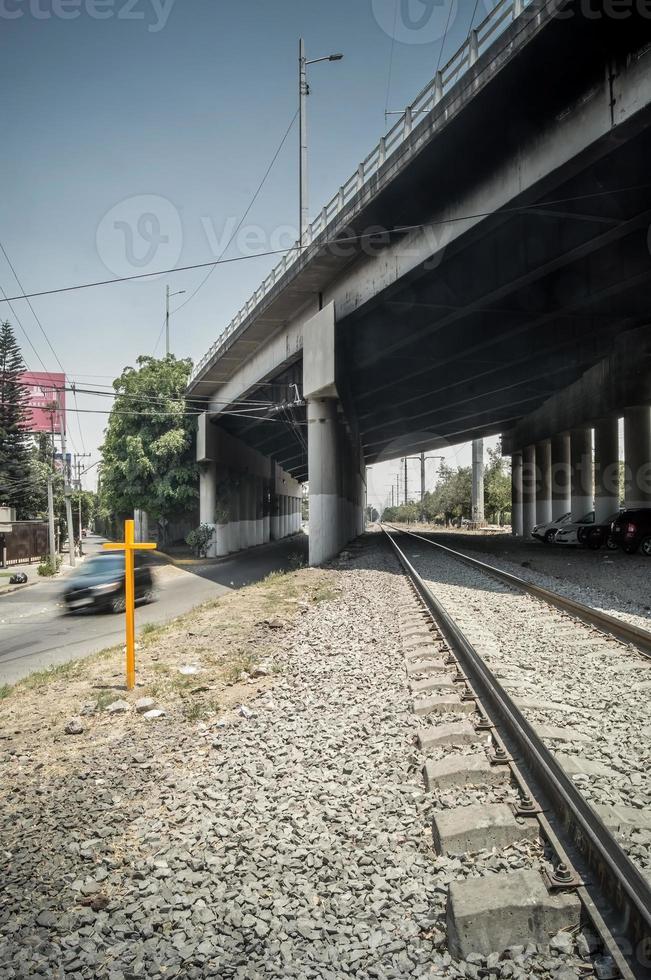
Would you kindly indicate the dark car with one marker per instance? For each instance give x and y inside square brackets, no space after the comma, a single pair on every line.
[632,530]
[99,584]
[595,536]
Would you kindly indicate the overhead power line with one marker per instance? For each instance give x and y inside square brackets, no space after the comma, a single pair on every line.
[345,240]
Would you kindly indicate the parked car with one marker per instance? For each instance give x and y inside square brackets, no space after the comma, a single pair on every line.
[99,584]
[568,533]
[594,536]
[632,530]
[547,532]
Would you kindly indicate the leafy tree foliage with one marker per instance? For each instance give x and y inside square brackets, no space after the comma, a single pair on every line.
[497,487]
[148,453]
[14,439]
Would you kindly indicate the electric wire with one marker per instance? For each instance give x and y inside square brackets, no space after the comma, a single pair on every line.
[245,215]
[393,44]
[345,240]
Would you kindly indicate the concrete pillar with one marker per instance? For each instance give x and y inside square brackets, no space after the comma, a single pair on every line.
[141,521]
[637,457]
[561,475]
[248,517]
[606,468]
[266,511]
[528,490]
[274,522]
[207,500]
[516,494]
[324,474]
[543,482]
[234,526]
[582,474]
[478,481]
[282,515]
[258,490]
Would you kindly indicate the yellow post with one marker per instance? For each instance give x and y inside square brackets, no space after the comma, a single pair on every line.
[129,546]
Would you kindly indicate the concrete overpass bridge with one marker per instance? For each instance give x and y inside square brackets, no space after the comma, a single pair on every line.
[485,270]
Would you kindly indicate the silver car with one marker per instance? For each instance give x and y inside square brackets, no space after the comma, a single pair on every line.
[547,532]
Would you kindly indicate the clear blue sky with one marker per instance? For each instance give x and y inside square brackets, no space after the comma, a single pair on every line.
[184,101]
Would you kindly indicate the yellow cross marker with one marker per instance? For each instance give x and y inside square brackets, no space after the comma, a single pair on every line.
[128,546]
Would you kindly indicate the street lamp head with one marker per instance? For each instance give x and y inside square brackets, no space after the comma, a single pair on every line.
[336,57]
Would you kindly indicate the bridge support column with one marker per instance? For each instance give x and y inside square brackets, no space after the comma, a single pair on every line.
[637,457]
[324,472]
[283,515]
[528,490]
[208,500]
[606,468]
[274,504]
[266,511]
[258,490]
[582,475]
[516,494]
[234,506]
[561,475]
[543,482]
[478,515]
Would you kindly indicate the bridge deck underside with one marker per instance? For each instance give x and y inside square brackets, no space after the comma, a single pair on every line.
[516,310]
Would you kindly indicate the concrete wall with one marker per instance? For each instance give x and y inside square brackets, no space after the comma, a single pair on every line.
[244,496]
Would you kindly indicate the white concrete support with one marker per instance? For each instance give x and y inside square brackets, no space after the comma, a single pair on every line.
[637,457]
[543,482]
[258,490]
[561,475]
[582,472]
[234,526]
[283,515]
[207,500]
[528,490]
[275,515]
[606,468]
[516,494]
[478,515]
[141,521]
[324,471]
[247,497]
[266,512]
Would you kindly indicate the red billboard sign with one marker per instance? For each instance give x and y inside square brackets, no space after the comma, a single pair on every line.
[47,401]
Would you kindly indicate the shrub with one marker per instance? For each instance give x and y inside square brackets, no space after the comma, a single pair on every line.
[48,567]
[200,538]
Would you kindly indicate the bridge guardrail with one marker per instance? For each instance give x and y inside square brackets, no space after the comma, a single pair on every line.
[479,39]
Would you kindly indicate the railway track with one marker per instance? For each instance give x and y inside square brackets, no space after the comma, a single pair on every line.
[611,625]
[502,750]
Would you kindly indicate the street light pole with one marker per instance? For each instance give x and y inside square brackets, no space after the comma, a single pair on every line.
[167,316]
[303,92]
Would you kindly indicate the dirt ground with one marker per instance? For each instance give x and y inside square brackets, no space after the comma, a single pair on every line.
[224,644]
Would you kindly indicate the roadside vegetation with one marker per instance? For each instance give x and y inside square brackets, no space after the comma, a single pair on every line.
[196,667]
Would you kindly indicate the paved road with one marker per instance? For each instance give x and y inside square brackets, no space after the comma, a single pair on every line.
[36,633]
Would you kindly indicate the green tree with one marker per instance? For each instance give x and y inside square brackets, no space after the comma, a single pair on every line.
[497,487]
[148,453]
[14,438]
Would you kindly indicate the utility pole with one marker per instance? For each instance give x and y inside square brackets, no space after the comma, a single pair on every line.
[50,515]
[303,92]
[167,316]
[478,481]
[167,320]
[422,479]
[406,458]
[78,459]
[66,491]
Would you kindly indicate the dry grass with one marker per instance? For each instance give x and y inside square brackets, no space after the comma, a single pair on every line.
[223,639]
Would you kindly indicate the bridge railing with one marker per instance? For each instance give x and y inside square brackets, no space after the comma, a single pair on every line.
[477,42]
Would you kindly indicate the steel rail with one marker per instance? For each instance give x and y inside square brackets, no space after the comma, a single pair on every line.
[628,892]
[618,628]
